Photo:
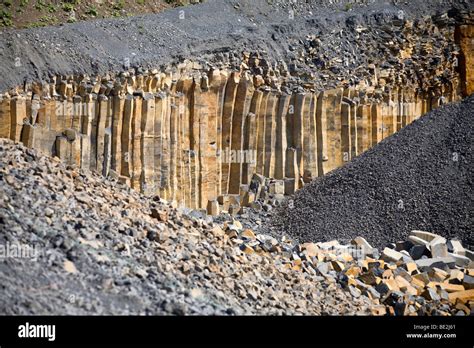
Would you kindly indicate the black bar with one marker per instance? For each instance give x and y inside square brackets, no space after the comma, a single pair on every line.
[380,331]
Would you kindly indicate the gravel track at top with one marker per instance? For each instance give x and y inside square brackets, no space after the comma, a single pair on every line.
[419,178]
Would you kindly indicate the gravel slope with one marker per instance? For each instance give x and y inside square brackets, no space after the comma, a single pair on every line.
[98,250]
[202,31]
[419,178]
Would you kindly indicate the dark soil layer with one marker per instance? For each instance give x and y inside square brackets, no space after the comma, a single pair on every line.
[419,178]
[40,13]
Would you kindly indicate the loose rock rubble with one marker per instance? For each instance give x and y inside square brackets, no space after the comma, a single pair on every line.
[102,248]
[275,28]
[400,280]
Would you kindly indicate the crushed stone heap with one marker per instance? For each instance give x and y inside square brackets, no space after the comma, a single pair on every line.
[419,178]
[76,243]
[73,242]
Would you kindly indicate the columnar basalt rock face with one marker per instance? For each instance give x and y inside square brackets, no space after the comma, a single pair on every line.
[176,144]
[197,135]
[465,36]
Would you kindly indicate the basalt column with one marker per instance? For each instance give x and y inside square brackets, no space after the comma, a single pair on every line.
[201,138]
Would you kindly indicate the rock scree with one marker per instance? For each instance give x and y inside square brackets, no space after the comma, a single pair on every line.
[146,257]
[79,243]
[207,30]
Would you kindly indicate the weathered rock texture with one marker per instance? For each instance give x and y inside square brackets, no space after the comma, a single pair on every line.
[465,37]
[193,134]
[75,243]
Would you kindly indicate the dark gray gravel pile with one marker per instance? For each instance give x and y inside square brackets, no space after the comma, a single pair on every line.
[420,178]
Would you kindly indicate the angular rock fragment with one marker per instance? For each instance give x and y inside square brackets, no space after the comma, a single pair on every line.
[456,247]
[440,262]
[213,207]
[438,247]
[468,282]
[391,255]
[362,243]
[462,296]
[417,251]
[431,295]
[160,215]
[461,261]
[426,236]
